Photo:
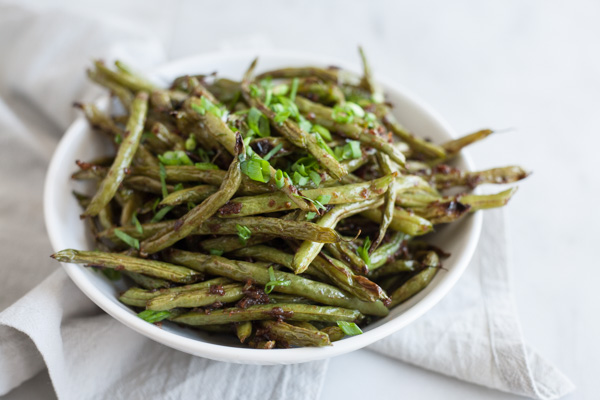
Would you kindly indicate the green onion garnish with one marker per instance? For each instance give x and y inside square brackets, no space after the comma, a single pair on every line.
[216,252]
[131,241]
[258,122]
[323,132]
[279,179]
[136,222]
[349,328]
[295,82]
[161,213]
[190,143]
[177,157]
[273,281]
[272,152]
[363,251]
[256,169]
[243,233]
[118,139]
[154,316]
[311,215]
[315,177]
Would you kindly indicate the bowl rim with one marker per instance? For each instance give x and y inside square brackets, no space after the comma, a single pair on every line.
[248,355]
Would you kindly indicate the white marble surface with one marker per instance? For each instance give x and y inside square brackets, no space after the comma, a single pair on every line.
[531,65]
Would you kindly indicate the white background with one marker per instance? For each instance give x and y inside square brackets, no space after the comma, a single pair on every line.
[529,65]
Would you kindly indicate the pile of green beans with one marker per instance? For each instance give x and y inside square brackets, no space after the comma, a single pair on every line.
[284,209]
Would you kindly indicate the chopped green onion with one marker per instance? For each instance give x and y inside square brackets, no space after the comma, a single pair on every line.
[136,222]
[355,148]
[279,179]
[161,213]
[190,143]
[205,165]
[299,179]
[178,187]
[154,316]
[177,157]
[198,109]
[315,177]
[162,173]
[324,199]
[304,124]
[289,105]
[258,122]
[323,132]
[155,205]
[272,152]
[216,252]
[273,281]
[268,89]
[256,169]
[243,233]
[131,241]
[363,251]
[341,115]
[118,139]
[323,145]
[281,90]
[295,82]
[311,215]
[354,109]
[349,328]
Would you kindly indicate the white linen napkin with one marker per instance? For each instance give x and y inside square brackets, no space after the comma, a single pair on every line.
[473,334]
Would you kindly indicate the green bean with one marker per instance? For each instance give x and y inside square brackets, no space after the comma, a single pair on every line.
[161,101]
[335,333]
[390,196]
[485,201]
[196,298]
[345,279]
[419,145]
[147,282]
[387,251]
[243,330]
[188,173]
[98,119]
[156,269]
[322,115]
[139,297]
[369,81]
[146,184]
[291,335]
[308,250]
[267,203]
[125,96]
[403,221]
[344,251]
[292,131]
[227,244]
[292,312]
[193,195]
[262,344]
[128,80]
[453,147]
[287,298]
[270,254]
[170,139]
[133,201]
[455,177]
[418,282]
[394,268]
[441,212]
[334,75]
[116,174]
[257,225]
[143,157]
[241,271]
[321,92]
[186,224]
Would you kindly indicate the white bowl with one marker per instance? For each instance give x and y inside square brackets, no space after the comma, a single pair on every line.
[66,230]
